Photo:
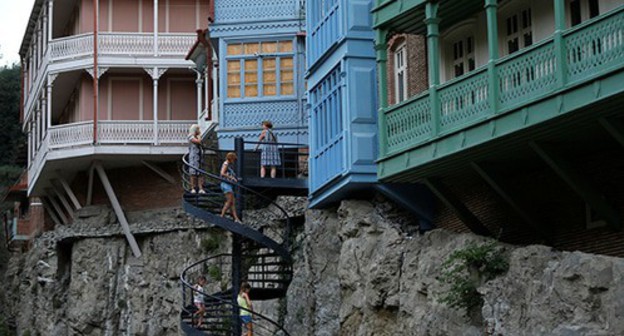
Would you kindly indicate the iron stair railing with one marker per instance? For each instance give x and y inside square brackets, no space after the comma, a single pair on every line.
[264,261]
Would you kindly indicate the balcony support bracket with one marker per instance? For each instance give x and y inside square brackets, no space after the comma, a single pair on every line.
[69,192]
[118,210]
[57,208]
[615,128]
[166,176]
[579,183]
[457,206]
[64,202]
[47,206]
[513,198]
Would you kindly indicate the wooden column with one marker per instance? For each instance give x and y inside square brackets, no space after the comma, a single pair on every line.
[491,7]
[560,50]
[433,51]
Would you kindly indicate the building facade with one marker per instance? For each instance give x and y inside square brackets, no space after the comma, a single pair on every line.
[518,131]
[258,59]
[106,88]
[342,99]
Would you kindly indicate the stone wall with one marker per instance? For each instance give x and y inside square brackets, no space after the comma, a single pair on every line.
[358,273]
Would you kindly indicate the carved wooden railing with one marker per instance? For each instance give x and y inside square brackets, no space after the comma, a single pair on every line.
[590,49]
[120,44]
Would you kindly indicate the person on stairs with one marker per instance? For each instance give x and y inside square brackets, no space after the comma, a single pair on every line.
[270,156]
[245,303]
[195,159]
[228,174]
[198,300]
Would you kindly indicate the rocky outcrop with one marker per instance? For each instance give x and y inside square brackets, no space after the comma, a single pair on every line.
[357,272]
[84,280]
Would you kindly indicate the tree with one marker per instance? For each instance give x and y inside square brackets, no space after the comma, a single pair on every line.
[11,137]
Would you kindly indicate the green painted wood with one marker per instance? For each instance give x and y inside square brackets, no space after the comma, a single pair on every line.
[579,183]
[464,214]
[433,49]
[381,47]
[389,10]
[513,198]
[491,7]
[560,50]
[530,92]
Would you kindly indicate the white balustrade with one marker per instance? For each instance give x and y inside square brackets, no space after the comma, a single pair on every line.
[125,132]
[175,44]
[174,131]
[71,47]
[126,44]
[71,135]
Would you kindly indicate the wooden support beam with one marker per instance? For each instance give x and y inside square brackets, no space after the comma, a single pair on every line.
[514,199]
[90,186]
[160,172]
[580,184]
[64,202]
[452,202]
[69,192]
[50,211]
[117,208]
[58,209]
[615,128]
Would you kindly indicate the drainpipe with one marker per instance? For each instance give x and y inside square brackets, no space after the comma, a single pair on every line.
[95,70]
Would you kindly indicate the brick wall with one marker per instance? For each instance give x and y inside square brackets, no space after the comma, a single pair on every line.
[417,75]
[552,201]
[137,188]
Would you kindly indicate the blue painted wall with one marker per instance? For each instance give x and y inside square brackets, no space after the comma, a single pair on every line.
[341,73]
[256,21]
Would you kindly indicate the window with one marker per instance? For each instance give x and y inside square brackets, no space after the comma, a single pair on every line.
[463,56]
[400,73]
[581,10]
[260,69]
[519,31]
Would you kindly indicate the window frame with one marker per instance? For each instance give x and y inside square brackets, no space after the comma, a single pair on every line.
[461,31]
[585,11]
[520,32]
[260,57]
[400,53]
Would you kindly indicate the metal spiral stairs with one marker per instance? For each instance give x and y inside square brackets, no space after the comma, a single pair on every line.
[260,256]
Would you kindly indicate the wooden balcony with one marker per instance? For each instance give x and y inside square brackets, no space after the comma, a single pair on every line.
[551,79]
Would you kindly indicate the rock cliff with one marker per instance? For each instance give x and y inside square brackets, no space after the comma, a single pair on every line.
[358,273]
[359,269]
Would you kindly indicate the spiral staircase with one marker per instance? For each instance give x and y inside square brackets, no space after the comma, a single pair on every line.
[260,256]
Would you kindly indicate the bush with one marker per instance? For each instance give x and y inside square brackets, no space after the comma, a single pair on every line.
[211,244]
[214,272]
[467,269]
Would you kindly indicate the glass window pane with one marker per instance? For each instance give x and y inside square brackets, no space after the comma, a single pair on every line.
[234,92]
[251,65]
[286,62]
[285,46]
[252,48]
[288,89]
[270,90]
[234,49]
[233,65]
[251,78]
[234,78]
[251,91]
[269,47]
[287,76]
[593,8]
[268,63]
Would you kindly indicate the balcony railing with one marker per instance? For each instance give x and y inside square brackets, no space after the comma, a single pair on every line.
[588,50]
[121,44]
[118,132]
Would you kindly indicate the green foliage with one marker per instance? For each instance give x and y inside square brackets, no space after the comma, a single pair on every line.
[211,243]
[11,136]
[467,269]
[4,329]
[214,272]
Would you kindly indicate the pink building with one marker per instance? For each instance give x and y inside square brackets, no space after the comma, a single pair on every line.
[106,87]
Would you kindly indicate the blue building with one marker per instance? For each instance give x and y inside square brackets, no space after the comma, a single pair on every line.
[342,95]
[260,48]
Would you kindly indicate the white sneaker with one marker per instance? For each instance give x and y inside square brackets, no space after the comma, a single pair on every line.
[193,191]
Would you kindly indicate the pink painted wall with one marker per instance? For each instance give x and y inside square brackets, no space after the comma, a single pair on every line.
[86,98]
[174,16]
[183,99]
[125,99]
[124,16]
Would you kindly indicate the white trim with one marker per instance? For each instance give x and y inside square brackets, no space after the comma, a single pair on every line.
[197,14]
[166,16]
[400,54]
[110,15]
[140,16]
[460,31]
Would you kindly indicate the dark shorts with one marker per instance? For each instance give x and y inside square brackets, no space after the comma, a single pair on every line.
[246,318]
